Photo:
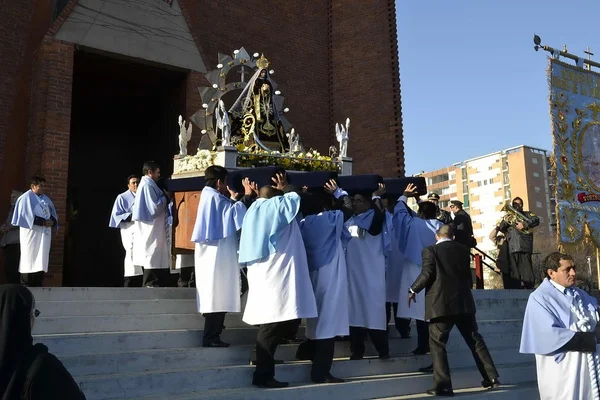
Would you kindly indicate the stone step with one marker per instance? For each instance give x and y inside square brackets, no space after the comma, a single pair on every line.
[110,342]
[198,357]
[522,391]
[110,293]
[486,308]
[366,386]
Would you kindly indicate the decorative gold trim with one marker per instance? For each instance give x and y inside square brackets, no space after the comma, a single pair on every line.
[262,62]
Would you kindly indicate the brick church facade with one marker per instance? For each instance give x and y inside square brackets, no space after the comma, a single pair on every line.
[333,59]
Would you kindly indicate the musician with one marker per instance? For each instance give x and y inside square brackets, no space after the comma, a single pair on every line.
[517,227]
[441,215]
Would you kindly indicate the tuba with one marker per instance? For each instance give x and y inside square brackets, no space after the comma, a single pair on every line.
[513,216]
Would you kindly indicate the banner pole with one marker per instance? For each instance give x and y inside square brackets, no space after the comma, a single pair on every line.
[598,265]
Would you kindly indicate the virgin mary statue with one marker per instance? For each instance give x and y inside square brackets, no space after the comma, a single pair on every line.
[255,116]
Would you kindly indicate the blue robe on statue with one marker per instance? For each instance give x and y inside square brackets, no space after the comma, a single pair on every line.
[550,322]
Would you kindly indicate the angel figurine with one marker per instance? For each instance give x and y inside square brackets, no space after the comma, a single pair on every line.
[293,140]
[342,134]
[185,134]
[223,124]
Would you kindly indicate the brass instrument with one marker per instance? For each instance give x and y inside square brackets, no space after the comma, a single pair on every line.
[513,216]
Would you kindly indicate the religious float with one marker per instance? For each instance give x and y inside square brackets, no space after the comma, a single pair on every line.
[252,138]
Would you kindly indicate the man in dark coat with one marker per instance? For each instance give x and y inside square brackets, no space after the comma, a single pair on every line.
[446,277]
[520,247]
[441,215]
[462,225]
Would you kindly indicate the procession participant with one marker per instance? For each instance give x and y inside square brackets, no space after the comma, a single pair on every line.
[561,329]
[393,265]
[462,225]
[520,246]
[120,218]
[35,215]
[9,242]
[151,249]
[280,290]
[324,238]
[365,260]
[446,278]
[216,266]
[414,232]
[442,215]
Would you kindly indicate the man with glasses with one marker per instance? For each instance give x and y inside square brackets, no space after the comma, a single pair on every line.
[520,247]
[120,218]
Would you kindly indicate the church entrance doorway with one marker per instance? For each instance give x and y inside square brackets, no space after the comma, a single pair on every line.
[123,113]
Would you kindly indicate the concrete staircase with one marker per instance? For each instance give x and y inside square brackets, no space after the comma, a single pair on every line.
[145,344]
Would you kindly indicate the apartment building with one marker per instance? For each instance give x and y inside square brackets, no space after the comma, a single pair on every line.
[485,183]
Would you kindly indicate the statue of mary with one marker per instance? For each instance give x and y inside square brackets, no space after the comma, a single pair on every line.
[255,116]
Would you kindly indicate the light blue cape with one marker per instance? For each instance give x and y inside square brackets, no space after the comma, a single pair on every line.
[121,209]
[150,200]
[412,232]
[24,214]
[217,217]
[321,233]
[263,223]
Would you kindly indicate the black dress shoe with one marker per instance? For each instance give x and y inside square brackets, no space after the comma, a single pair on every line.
[440,392]
[270,383]
[356,357]
[420,351]
[329,379]
[493,384]
[216,343]
[427,370]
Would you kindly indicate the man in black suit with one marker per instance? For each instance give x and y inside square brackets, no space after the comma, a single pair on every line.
[446,277]
[462,225]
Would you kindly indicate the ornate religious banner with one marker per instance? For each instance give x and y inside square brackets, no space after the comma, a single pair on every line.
[575,112]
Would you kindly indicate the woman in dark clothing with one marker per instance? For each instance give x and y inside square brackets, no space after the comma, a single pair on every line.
[28,371]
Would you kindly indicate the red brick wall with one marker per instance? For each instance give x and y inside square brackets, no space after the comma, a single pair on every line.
[333,59]
[366,83]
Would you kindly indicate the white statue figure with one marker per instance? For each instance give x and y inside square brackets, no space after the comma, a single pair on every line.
[342,134]
[184,136]
[293,140]
[223,124]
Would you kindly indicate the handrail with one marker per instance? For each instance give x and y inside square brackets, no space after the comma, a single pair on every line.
[485,263]
[485,255]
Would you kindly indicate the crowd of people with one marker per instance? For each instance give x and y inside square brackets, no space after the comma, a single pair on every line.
[340,260]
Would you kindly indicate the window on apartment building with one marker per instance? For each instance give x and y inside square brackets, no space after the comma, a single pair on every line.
[485,181]
[464,173]
[490,168]
[536,175]
[534,160]
[443,204]
[452,176]
[537,189]
[506,179]
[465,187]
[507,194]
[466,200]
[438,179]
[446,191]
[538,204]
[504,163]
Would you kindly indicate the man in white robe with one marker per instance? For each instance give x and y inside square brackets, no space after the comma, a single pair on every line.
[561,329]
[325,238]
[150,214]
[35,215]
[216,265]
[120,218]
[280,290]
[414,232]
[365,261]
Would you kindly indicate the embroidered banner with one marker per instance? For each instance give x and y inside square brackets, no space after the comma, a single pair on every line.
[575,112]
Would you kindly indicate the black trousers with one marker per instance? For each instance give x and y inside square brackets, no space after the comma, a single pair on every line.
[292,329]
[156,277]
[213,327]
[320,352]
[357,341]
[185,277]
[422,334]
[34,279]
[439,330]
[402,324]
[269,336]
[12,256]
[133,281]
